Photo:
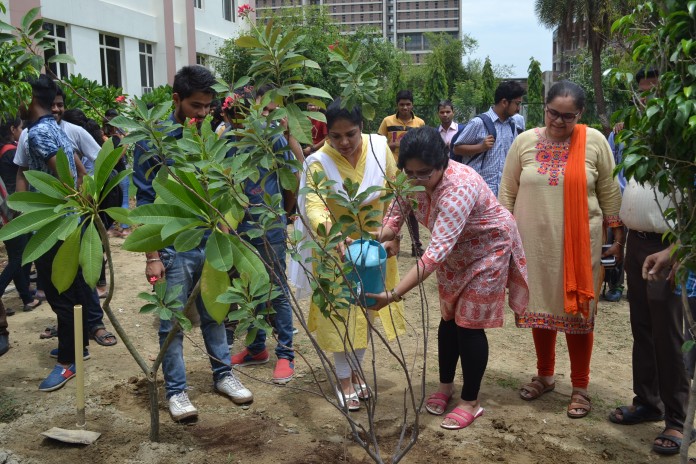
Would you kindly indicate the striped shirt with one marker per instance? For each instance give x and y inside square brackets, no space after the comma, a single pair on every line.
[490,164]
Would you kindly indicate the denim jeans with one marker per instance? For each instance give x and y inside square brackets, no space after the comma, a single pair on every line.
[184,268]
[275,253]
[125,183]
[14,271]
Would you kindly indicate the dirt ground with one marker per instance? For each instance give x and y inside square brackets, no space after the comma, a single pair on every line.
[293,424]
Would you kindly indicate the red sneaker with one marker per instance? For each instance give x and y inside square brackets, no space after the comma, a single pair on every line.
[284,371]
[244,358]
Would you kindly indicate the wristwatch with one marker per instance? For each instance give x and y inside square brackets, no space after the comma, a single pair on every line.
[395,297]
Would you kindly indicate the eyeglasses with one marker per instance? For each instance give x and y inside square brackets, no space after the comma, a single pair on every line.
[420,176]
[566,117]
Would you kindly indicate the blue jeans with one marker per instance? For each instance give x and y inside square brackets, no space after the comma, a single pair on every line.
[185,269]
[274,253]
[125,183]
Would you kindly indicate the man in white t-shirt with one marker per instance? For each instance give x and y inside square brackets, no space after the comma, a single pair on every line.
[83,143]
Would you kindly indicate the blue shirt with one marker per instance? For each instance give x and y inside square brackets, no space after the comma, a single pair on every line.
[617,149]
[490,165]
[145,194]
[44,140]
[267,184]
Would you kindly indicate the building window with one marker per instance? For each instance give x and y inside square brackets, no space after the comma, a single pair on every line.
[198,4]
[227,10]
[147,80]
[201,59]
[56,35]
[110,51]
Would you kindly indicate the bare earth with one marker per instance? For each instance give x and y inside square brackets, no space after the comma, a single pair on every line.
[293,425]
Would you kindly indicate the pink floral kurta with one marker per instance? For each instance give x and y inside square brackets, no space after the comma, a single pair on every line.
[475,249]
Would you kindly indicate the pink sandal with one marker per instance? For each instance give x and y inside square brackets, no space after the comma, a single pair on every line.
[462,418]
[437,399]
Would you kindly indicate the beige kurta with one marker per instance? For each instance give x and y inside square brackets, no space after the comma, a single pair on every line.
[532,188]
[330,334]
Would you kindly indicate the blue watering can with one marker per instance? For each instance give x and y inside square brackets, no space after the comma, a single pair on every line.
[370,269]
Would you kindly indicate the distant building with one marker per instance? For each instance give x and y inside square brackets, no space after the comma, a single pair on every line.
[564,48]
[403,22]
[134,44]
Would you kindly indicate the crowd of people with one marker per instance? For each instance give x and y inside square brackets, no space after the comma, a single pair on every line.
[531,214]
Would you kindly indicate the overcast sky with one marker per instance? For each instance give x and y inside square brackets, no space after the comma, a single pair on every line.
[508,32]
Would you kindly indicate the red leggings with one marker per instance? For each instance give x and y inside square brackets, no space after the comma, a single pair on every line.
[579,348]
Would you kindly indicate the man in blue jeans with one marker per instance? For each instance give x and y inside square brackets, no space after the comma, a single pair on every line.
[272,248]
[192,94]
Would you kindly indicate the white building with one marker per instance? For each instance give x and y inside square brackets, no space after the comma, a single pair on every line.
[134,44]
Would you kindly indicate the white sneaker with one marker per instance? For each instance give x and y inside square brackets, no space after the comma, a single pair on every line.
[180,407]
[230,386]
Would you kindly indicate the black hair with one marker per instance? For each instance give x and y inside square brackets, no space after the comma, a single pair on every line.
[6,125]
[424,144]
[191,79]
[334,112]
[111,113]
[644,73]
[59,92]
[77,116]
[264,89]
[44,90]
[404,95]
[509,90]
[567,89]
[444,103]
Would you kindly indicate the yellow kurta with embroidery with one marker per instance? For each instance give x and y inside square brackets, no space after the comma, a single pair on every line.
[331,334]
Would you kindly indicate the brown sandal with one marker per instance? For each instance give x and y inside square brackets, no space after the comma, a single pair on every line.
[535,389]
[579,401]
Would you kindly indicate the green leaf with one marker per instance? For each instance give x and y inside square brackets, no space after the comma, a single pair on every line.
[177,225]
[158,213]
[146,238]
[66,262]
[127,124]
[288,179]
[106,161]
[188,239]
[29,17]
[47,236]
[91,253]
[28,222]
[218,251]
[160,288]
[300,125]
[213,284]
[119,214]
[47,184]
[32,201]
[176,194]
[247,41]
[63,168]
[247,261]
[62,58]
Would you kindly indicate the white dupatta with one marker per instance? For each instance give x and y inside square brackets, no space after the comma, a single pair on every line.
[375,171]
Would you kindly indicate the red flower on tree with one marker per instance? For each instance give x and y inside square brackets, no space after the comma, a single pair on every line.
[120,99]
[244,10]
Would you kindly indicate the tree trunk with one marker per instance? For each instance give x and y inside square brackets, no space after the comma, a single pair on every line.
[595,43]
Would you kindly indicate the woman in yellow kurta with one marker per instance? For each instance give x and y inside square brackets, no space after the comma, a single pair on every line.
[365,160]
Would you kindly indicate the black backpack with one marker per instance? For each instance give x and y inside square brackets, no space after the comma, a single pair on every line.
[490,130]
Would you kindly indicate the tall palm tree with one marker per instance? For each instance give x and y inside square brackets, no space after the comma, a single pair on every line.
[591,20]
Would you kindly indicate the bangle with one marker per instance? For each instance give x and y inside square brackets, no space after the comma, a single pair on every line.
[620,244]
[395,297]
[152,260]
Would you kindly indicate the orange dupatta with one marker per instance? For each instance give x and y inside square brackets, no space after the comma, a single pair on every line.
[578,280]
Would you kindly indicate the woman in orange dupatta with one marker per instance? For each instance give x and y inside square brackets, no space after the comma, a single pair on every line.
[558,182]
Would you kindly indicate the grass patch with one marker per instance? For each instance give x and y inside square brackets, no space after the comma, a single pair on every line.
[9,407]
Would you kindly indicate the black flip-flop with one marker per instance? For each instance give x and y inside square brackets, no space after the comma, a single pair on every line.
[659,449]
[102,339]
[638,415]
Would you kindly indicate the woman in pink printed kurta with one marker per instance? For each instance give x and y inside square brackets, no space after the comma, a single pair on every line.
[476,252]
